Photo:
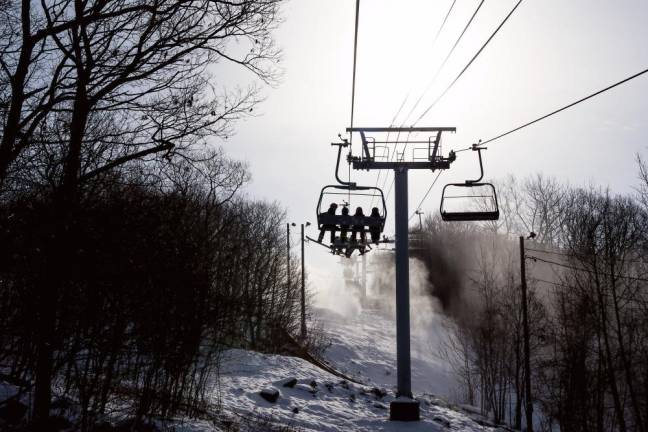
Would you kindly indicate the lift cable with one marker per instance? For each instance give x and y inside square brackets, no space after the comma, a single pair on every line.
[558,110]
[610,87]
[390,157]
[353,81]
[469,63]
[443,23]
[394,150]
[426,194]
[464,70]
[436,74]
[355,57]
[432,81]
[535,258]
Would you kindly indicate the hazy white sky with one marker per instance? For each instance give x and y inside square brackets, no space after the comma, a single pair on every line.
[548,54]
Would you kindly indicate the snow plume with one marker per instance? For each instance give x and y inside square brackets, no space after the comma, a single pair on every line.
[446,280]
[331,292]
[363,332]
[458,256]
[426,315]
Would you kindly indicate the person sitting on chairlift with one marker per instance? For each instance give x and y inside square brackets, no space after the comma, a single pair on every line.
[344,228]
[375,230]
[359,227]
[330,227]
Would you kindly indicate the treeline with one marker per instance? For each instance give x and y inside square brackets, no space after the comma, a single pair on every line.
[587,273]
[154,282]
[128,258]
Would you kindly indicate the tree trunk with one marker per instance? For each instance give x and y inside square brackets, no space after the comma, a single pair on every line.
[609,366]
[11,126]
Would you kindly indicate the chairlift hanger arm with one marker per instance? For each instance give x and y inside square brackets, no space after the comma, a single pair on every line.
[481,165]
[337,164]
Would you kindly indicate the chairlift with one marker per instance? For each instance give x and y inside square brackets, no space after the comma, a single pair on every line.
[339,228]
[471,200]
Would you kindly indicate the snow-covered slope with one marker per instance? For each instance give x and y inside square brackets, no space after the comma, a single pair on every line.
[362,345]
[320,401]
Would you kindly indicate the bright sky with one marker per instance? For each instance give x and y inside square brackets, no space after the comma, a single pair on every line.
[549,53]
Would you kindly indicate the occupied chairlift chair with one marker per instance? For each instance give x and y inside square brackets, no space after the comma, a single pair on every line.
[330,222]
[482,196]
[332,194]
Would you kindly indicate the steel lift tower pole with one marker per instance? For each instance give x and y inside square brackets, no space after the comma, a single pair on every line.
[403,361]
[404,407]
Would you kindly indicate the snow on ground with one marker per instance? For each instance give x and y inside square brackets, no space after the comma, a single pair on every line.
[323,402]
[364,347]
[362,335]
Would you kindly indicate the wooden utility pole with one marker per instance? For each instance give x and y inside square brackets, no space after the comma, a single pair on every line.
[525,328]
[303,289]
[288,252]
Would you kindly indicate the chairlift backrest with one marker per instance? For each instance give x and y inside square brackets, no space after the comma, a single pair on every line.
[471,200]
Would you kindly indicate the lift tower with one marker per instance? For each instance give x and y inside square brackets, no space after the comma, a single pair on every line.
[425,154]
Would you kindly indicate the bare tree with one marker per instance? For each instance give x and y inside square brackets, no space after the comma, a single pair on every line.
[144,64]
[91,86]
[533,204]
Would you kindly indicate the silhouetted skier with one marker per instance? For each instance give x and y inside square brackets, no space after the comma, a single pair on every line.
[358,227]
[329,227]
[344,228]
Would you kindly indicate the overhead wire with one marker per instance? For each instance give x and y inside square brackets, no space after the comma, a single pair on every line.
[535,258]
[619,296]
[575,254]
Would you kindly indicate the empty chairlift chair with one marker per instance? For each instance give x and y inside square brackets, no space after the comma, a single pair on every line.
[471,200]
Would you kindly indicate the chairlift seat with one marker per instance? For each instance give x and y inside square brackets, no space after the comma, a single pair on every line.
[486,210]
[469,216]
